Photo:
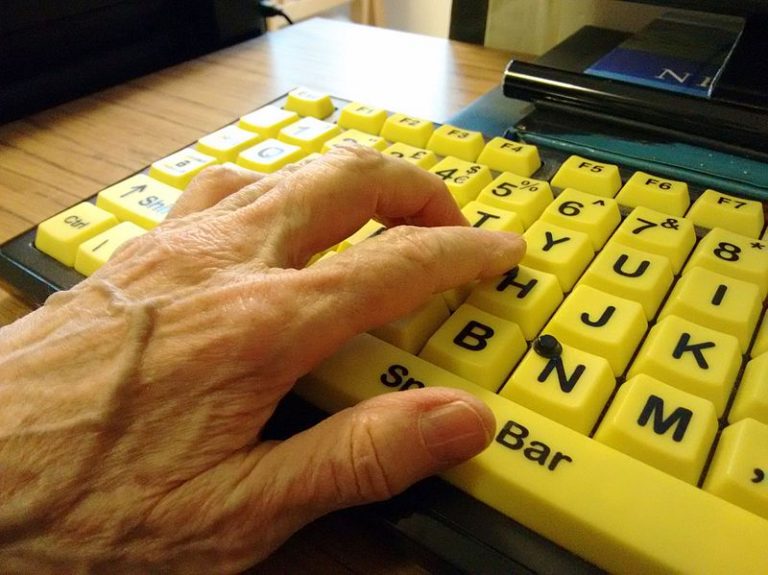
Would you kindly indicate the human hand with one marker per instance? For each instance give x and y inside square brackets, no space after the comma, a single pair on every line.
[131,406]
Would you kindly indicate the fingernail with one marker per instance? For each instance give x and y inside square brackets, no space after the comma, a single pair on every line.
[453,432]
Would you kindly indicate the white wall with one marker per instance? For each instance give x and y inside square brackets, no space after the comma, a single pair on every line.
[534,26]
[430,17]
[522,26]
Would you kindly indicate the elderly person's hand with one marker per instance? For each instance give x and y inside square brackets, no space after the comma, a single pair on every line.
[131,406]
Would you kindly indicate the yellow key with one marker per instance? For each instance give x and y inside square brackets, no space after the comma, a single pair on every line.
[268,121]
[225,144]
[523,295]
[760,345]
[504,155]
[660,194]
[597,178]
[525,196]
[714,209]
[356,137]
[651,231]
[95,252]
[455,297]
[357,116]
[570,387]
[407,129]
[424,159]
[694,358]
[449,140]
[309,134]
[61,235]
[178,169]
[718,301]
[752,395]
[733,255]
[370,229]
[632,274]
[559,483]
[490,218]
[739,470]
[320,256]
[306,102]
[477,346]
[562,252]
[464,179]
[269,156]
[595,216]
[139,199]
[412,331]
[661,425]
[600,323]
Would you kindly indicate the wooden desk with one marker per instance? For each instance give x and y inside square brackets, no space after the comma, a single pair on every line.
[53,159]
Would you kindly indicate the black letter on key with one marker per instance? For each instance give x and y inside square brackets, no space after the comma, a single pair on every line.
[719,296]
[474,336]
[602,320]
[680,418]
[552,242]
[618,267]
[510,280]
[566,383]
[683,347]
[512,435]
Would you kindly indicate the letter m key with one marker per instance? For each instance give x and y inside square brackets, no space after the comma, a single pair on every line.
[680,418]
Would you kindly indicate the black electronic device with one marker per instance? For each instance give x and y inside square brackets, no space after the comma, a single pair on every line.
[52,51]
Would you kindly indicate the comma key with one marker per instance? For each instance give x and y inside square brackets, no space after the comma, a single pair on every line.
[739,468]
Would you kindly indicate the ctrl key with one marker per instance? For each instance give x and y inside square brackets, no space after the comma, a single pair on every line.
[61,235]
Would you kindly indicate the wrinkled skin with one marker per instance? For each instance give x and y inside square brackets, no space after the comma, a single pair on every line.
[131,406]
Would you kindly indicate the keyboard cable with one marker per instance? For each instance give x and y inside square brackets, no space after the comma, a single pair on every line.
[269,10]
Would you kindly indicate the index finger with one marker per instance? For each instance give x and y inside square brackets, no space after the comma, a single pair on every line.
[385,277]
[329,199]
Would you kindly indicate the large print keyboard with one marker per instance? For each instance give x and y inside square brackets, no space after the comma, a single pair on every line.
[625,357]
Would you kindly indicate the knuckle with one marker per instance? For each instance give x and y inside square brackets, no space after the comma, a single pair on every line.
[412,245]
[369,478]
[227,170]
[210,174]
[352,156]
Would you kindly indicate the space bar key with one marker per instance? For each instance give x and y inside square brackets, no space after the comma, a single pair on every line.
[610,509]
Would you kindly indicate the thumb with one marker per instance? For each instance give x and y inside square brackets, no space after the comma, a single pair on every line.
[378,448]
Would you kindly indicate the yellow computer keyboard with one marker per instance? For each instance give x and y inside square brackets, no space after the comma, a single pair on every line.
[625,358]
